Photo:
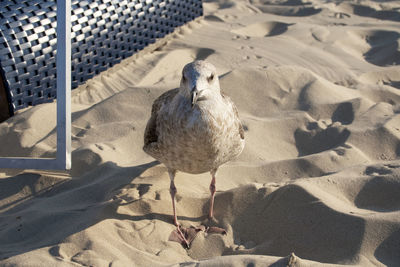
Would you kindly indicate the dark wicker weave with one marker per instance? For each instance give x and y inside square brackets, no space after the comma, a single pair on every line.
[103,33]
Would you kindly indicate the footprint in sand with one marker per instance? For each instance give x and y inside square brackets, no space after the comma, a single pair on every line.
[238,37]
[243,47]
[263,29]
[385,49]
[320,34]
[377,170]
[395,84]
[229,16]
[250,50]
[288,8]
[213,18]
[378,47]
[316,139]
[381,193]
[341,15]
[132,192]
[369,11]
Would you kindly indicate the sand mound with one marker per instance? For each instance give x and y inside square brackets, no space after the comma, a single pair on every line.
[318,183]
[269,28]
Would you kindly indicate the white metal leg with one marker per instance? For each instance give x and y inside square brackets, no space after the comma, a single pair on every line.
[63,156]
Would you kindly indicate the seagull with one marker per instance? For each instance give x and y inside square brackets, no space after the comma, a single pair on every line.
[194,129]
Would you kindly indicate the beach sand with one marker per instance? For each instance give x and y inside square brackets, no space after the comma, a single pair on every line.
[317,85]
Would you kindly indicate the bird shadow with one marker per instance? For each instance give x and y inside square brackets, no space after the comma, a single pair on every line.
[165,217]
[46,217]
[158,216]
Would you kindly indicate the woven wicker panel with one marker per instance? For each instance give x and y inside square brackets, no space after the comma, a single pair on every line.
[103,33]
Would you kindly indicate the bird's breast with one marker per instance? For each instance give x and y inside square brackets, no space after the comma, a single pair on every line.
[199,139]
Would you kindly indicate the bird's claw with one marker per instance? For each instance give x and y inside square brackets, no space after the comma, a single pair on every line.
[178,236]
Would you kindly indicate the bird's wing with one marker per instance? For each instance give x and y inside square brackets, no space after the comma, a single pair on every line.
[150,133]
[235,110]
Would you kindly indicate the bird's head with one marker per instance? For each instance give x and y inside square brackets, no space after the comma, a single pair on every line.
[199,81]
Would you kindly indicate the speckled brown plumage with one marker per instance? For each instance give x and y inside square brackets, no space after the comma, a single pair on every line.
[193,139]
[194,128]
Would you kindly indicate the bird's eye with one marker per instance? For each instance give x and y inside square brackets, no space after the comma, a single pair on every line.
[210,78]
[183,78]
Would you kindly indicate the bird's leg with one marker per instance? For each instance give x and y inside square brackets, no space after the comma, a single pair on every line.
[172,191]
[212,191]
[213,229]
[176,235]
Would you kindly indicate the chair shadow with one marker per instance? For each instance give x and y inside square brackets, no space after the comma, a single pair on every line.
[49,216]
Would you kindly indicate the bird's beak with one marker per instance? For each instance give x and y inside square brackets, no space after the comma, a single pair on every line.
[194,96]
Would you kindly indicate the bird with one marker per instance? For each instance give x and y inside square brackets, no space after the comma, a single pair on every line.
[194,129]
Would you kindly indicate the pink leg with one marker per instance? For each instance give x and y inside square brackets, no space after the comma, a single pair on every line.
[172,191]
[178,235]
[213,229]
[212,190]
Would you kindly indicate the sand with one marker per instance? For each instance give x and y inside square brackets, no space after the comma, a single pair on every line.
[317,85]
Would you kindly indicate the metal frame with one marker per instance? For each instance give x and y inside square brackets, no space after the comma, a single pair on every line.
[63,65]
[103,33]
